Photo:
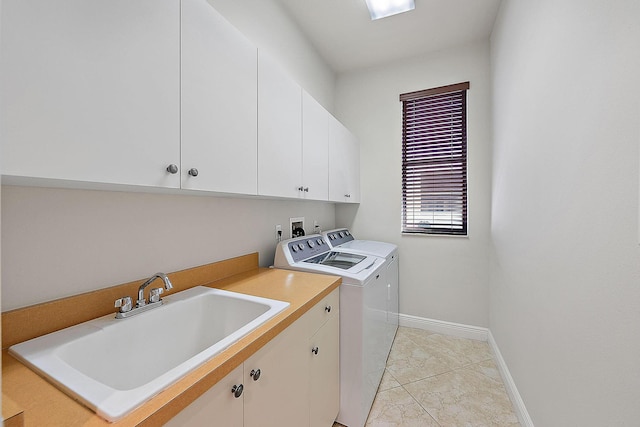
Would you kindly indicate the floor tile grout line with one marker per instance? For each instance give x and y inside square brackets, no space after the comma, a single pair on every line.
[423,408]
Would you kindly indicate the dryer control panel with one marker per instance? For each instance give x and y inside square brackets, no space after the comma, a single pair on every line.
[307,247]
[338,237]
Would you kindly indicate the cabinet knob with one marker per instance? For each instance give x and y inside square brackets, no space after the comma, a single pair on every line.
[300,188]
[172,169]
[314,350]
[328,309]
[347,195]
[193,172]
[255,374]
[305,189]
[237,390]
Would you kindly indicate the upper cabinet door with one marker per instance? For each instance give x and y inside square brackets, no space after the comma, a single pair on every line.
[219,106]
[91,90]
[315,149]
[344,164]
[279,131]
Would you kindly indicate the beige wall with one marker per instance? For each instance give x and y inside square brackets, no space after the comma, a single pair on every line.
[443,278]
[565,278]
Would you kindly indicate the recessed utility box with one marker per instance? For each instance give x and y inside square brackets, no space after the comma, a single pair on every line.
[296,227]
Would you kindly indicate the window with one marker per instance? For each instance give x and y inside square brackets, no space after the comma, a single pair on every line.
[434,160]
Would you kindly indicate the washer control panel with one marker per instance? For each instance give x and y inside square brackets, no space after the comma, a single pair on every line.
[307,247]
[338,237]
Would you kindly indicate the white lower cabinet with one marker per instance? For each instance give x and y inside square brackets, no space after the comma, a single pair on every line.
[278,395]
[324,391]
[217,407]
[294,380]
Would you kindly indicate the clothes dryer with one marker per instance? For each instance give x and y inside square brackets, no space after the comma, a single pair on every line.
[342,239]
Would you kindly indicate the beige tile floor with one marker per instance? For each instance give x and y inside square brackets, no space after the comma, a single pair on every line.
[441,381]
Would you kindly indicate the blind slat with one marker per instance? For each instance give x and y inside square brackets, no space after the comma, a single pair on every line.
[434,161]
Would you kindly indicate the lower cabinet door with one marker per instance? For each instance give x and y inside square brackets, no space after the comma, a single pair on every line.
[218,407]
[278,395]
[324,387]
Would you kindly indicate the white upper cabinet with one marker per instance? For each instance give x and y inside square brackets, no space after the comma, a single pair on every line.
[315,149]
[219,107]
[185,101]
[344,164]
[91,90]
[279,131]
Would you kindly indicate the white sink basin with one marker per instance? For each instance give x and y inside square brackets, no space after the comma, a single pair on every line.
[114,365]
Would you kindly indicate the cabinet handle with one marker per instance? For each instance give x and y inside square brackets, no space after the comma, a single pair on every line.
[301,188]
[314,350]
[172,169]
[237,390]
[306,189]
[347,196]
[255,374]
[193,172]
[328,309]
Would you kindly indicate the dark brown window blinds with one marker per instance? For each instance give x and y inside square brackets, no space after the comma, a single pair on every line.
[434,160]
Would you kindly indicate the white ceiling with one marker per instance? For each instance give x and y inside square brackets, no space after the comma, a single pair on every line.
[346,37]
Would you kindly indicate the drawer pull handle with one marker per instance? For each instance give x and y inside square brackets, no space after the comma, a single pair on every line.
[237,390]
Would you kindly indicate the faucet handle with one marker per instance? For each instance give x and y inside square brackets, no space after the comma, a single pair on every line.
[154,294]
[124,303]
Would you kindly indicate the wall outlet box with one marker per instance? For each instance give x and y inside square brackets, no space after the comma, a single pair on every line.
[296,227]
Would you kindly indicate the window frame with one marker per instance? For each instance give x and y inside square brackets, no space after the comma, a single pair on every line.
[422,161]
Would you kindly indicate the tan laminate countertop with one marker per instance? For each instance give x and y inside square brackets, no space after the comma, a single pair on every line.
[45,405]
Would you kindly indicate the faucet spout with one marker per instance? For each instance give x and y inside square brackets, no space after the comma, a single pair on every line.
[167,285]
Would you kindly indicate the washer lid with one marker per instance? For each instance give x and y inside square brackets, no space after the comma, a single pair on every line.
[341,260]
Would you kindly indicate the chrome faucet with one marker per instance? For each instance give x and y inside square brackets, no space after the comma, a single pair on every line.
[125,305]
[153,295]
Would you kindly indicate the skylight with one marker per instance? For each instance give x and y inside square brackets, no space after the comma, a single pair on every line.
[383,8]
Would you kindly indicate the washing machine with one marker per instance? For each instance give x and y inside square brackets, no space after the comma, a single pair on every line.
[362,317]
[342,239]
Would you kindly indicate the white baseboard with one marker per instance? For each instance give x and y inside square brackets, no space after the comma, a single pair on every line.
[446,328]
[512,390]
[480,334]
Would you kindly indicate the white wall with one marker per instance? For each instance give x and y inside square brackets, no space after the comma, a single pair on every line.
[267,26]
[565,278]
[444,278]
[57,242]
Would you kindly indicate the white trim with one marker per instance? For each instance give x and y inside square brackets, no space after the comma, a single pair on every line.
[442,327]
[510,385]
